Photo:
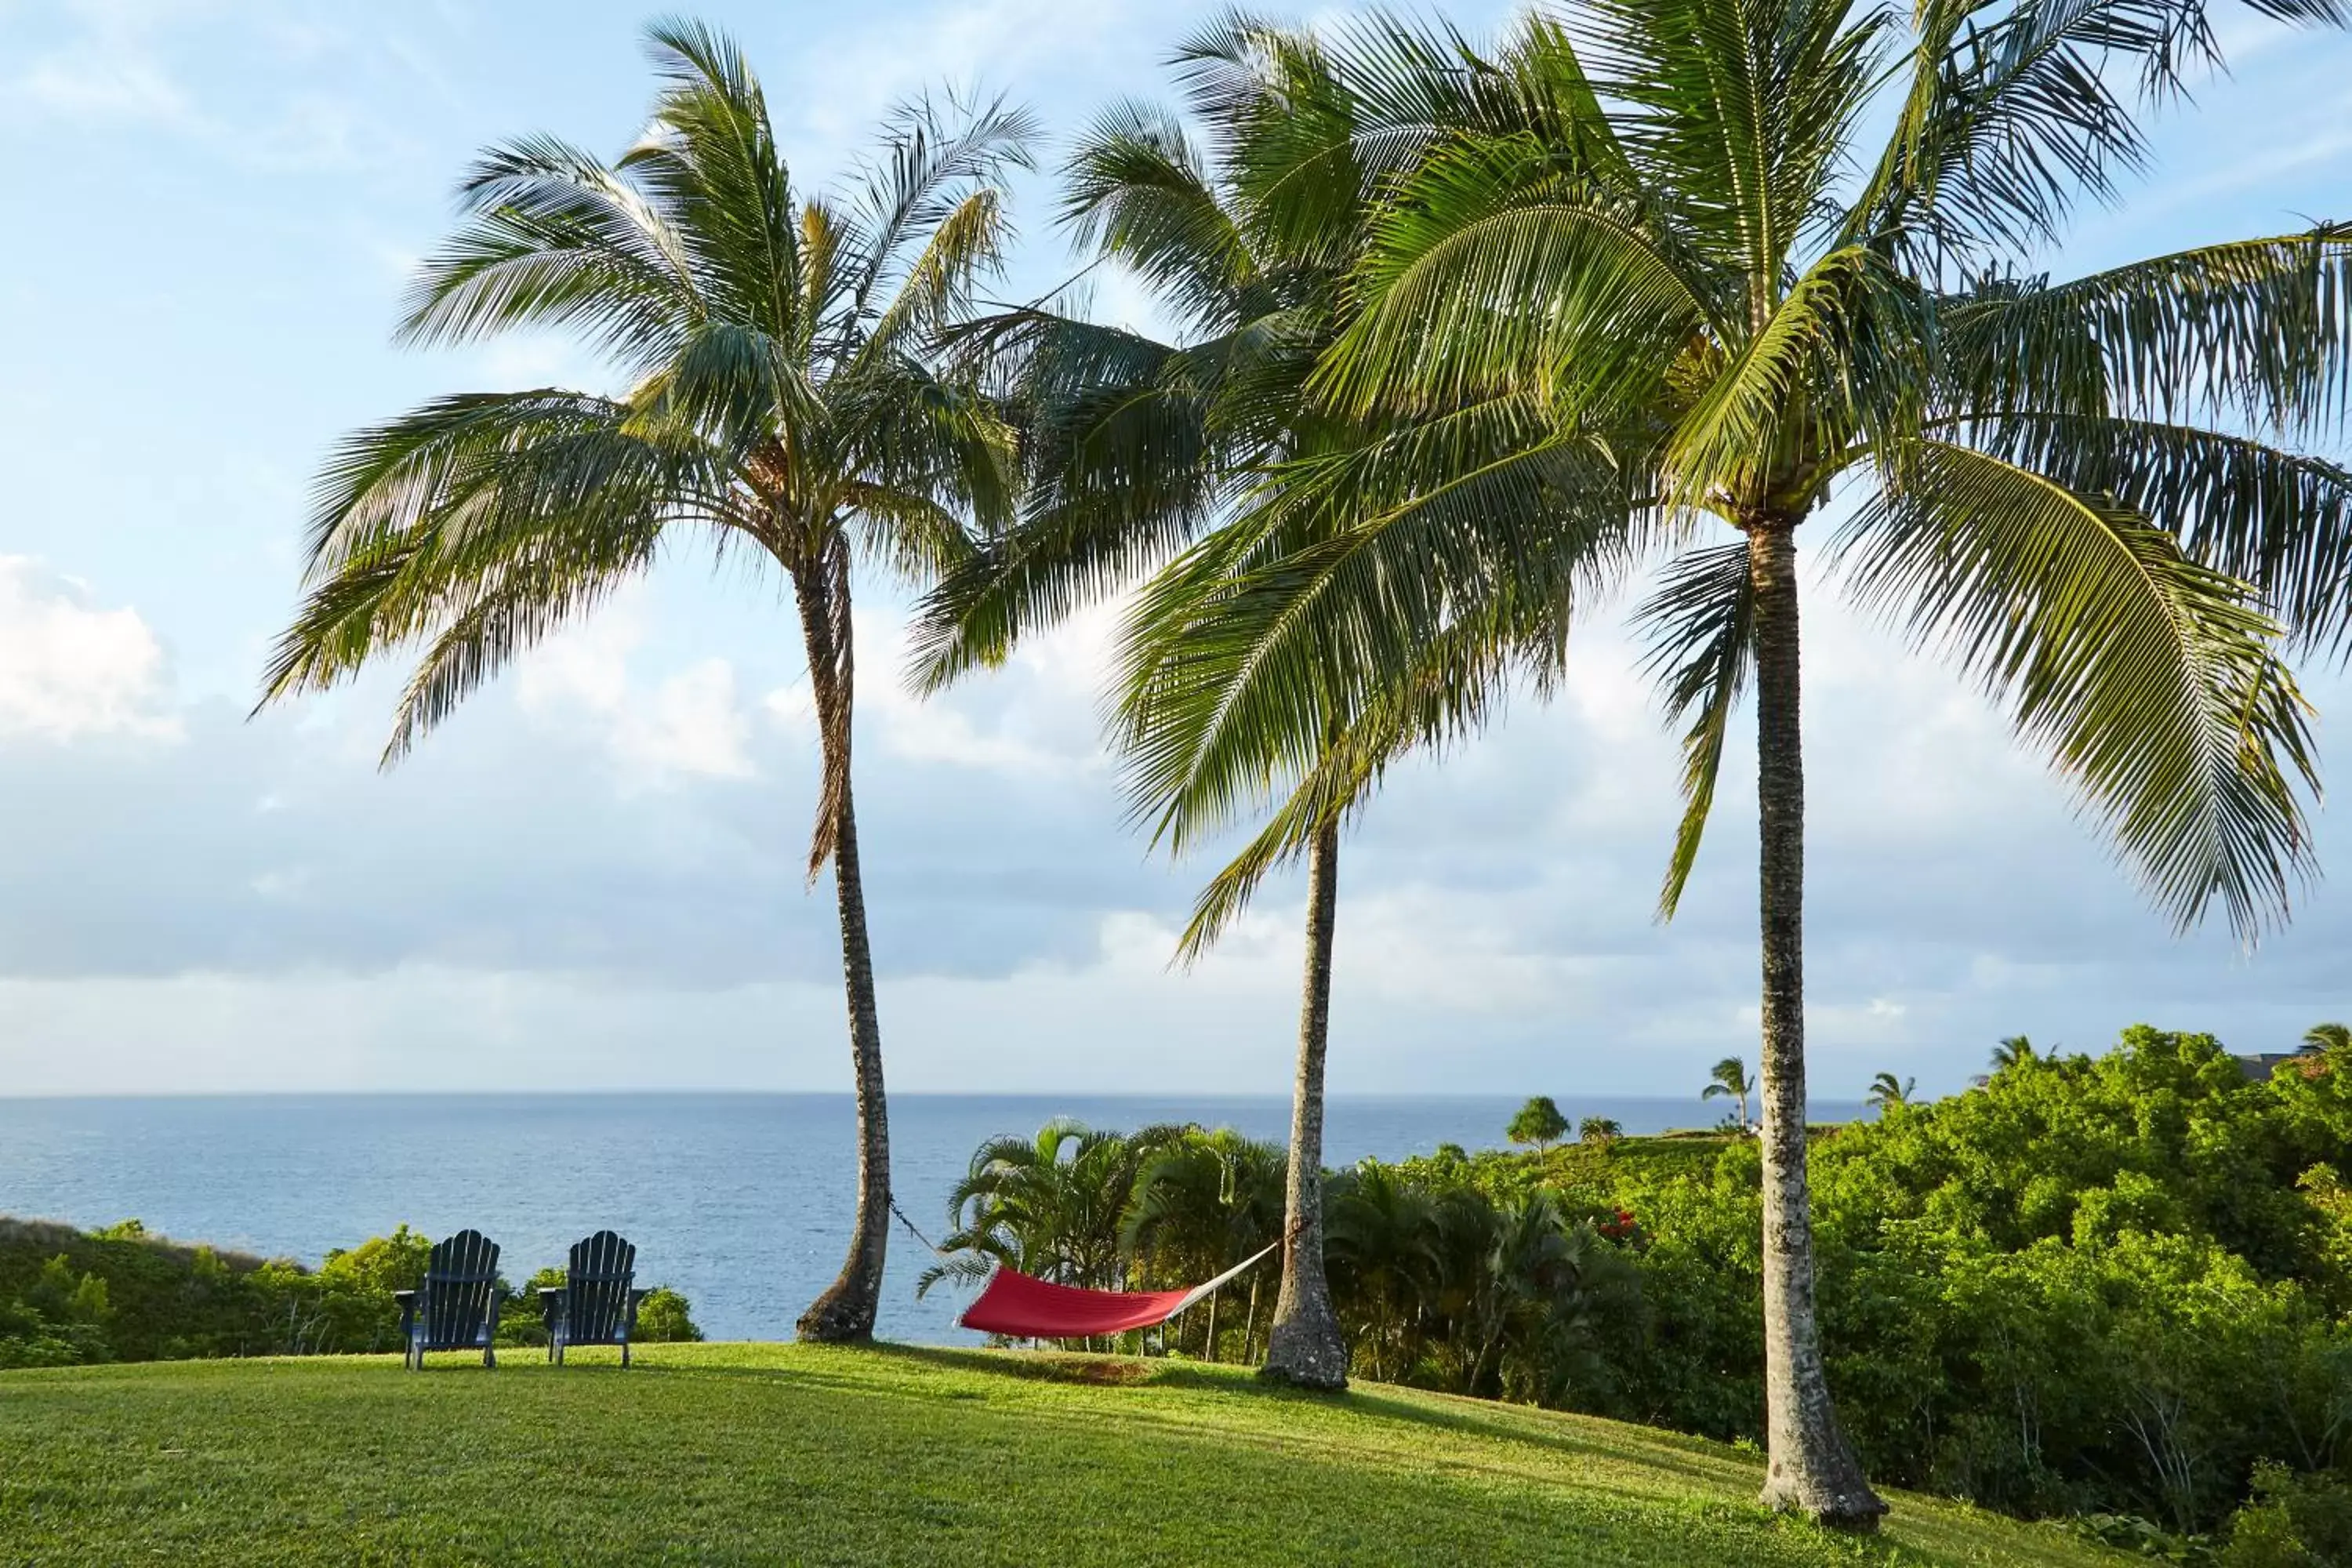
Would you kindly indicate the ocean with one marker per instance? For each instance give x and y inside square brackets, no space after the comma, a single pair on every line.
[742,1201]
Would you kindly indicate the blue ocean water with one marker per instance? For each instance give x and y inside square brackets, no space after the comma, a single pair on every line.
[742,1201]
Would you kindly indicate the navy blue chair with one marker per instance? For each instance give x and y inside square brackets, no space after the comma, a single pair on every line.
[597,1302]
[457,1308]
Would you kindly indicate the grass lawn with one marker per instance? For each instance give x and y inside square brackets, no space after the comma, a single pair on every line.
[790,1454]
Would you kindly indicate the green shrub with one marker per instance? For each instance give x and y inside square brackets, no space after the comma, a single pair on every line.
[664,1316]
[2293,1520]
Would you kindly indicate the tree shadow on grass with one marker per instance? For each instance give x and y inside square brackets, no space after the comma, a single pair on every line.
[1694,1460]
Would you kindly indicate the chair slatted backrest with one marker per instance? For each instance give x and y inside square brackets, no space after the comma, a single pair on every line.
[596,1283]
[459,1280]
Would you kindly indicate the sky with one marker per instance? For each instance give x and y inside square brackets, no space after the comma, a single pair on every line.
[590,877]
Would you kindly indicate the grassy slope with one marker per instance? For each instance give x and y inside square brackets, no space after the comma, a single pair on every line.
[779,1453]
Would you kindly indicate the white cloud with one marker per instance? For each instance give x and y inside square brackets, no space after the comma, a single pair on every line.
[860,75]
[689,725]
[126,64]
[1032,717]
[69,669]
[94,84]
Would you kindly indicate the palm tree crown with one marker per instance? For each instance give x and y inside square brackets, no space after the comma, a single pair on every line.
[1886,1090]
[1729,1079]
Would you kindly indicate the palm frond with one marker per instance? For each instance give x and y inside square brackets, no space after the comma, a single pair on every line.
[1456,687]
[1314,601]
[2257,332]
[1700,625]
[2150,681]
[2282,520]
[1493,272]
[551,238]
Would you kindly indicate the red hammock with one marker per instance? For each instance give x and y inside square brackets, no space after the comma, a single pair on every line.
[1020,1307]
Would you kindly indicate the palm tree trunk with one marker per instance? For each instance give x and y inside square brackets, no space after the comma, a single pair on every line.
[846,1311]
[1305,1346]
[1812,1468]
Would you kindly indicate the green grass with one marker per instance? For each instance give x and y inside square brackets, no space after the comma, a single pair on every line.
[790,1454]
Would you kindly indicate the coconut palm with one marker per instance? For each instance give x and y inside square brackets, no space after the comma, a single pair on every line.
[1687,256]
[1730,1080]
[784,399]
[1887,1090]
[2328,1038]
[1140,447]
[2014,1050]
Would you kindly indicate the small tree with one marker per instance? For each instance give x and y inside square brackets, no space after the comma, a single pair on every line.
[1598,1129]
[1539,1122]
[1730,1080]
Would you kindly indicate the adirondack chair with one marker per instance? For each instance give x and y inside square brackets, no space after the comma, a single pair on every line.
[597,1302]
[456,1308]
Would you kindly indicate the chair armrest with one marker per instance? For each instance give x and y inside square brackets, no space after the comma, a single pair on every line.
[408,1301]
[552,1304]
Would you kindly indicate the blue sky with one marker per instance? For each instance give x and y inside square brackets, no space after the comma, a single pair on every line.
[590,877]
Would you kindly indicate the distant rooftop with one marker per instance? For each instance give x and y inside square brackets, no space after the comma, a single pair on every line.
[2260,1068]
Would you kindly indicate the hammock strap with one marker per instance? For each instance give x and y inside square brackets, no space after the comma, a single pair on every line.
[917,1235]
[1199,1293]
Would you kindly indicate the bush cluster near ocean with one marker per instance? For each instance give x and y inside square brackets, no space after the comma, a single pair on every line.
[120,1294]
[2113,1290]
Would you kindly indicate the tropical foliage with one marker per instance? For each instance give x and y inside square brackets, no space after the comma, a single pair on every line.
[2113,1283]
[1432,1281]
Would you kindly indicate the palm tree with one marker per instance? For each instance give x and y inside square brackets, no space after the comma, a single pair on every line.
[2328,1038]
[1730,1080]
[1668,261]
[1886,1090]
[1138,447]
[1202,1204]
[2014,1050]
[1385,1241]
[783,397]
